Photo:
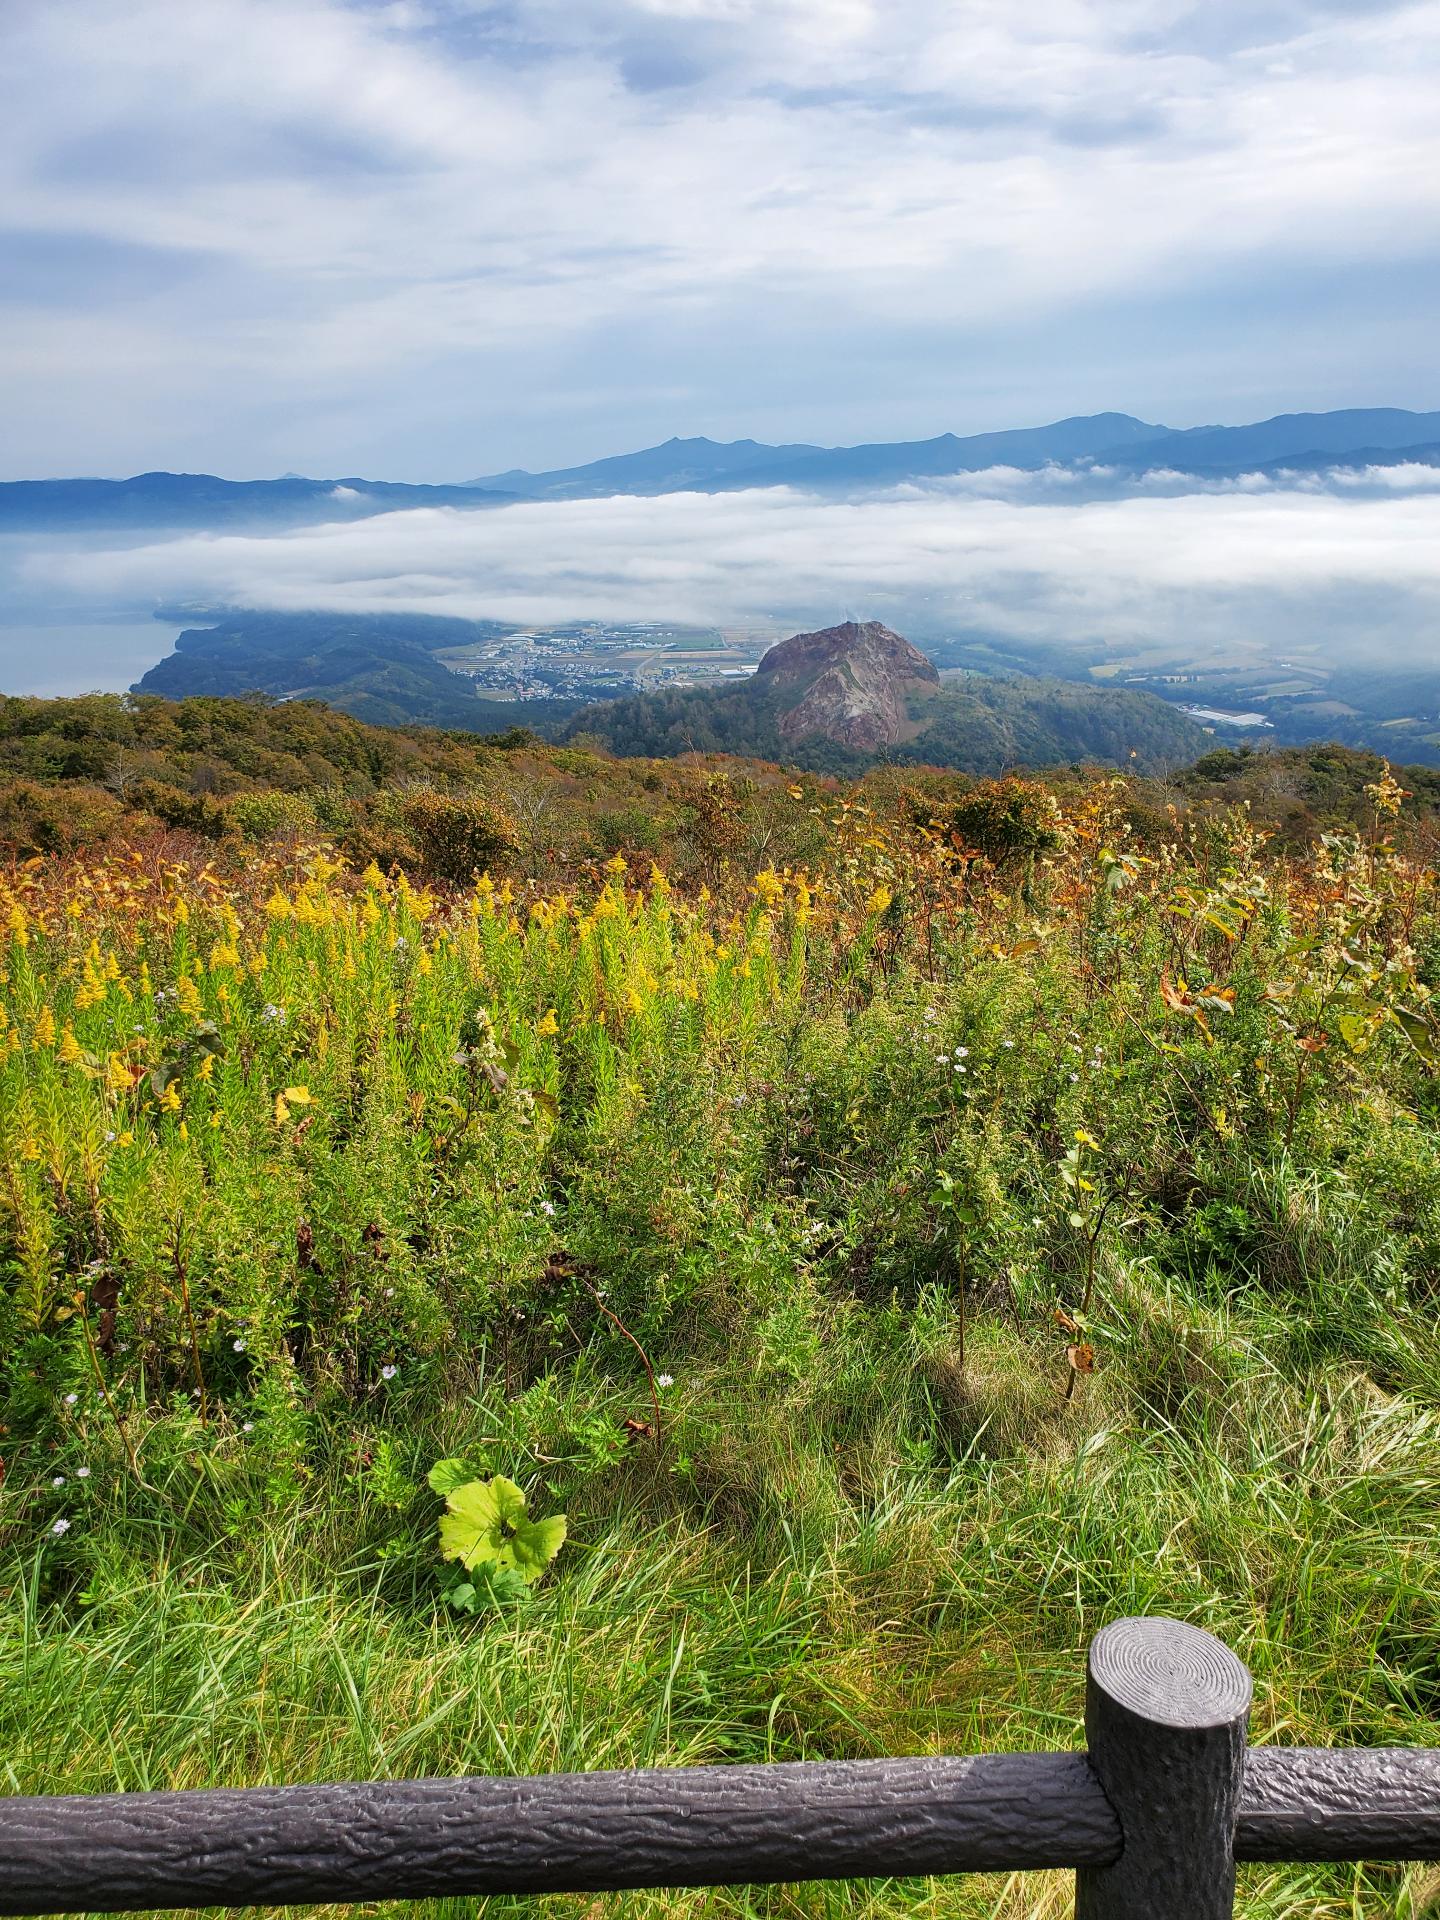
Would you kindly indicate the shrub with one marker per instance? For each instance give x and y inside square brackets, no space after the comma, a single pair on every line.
[273,815]
[36,819]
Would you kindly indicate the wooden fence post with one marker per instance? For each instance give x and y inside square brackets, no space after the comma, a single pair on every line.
[1166,1711]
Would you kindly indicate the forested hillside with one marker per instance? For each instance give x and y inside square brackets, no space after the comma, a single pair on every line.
[80,772]
[984,725]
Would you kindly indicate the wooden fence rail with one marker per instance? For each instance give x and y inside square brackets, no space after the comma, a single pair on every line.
[1153,1818]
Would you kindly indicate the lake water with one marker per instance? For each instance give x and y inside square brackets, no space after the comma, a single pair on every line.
[80,657]
[1217,716]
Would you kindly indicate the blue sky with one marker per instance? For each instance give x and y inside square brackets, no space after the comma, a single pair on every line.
[434,238]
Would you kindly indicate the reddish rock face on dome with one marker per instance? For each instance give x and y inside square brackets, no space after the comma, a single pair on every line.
[857,682]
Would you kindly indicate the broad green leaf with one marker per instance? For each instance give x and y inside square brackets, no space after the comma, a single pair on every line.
[536,1544]
[487,1526]
[1417,1031]
[1353,1030]
[446,1474]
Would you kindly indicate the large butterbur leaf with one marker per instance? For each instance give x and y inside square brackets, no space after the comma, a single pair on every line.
[487,1526]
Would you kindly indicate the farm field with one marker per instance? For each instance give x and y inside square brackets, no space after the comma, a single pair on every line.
[891,1268]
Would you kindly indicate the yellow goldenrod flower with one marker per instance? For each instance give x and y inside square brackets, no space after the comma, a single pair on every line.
[45,1028]
[170,1099]
[207,1067]
[70,1054]
[187,998]
[879,900]
[550,1024]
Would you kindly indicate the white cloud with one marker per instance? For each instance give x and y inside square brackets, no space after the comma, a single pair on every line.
[1203,568]
[380,192]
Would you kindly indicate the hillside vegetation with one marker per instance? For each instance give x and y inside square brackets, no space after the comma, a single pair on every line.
[380,668]
[79,772]
[1023,1210]
[983,724]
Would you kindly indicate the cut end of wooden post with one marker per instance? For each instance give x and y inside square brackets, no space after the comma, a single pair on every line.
[1170,1672]
[1166,1709]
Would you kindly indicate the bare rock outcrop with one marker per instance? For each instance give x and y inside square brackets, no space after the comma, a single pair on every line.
[857,681]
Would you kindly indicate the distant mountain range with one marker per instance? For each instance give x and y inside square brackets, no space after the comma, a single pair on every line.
[1367,436]
[163,500]
[1116,443]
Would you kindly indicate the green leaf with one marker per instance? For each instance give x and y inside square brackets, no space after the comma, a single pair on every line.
[536,1544]
[1417,1031]
[1353,1031]
[487,1526]
[446,1474]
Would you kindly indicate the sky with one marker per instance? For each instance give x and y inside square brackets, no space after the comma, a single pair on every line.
[431,239]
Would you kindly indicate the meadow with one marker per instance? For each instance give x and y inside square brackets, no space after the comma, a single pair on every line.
[892,1268]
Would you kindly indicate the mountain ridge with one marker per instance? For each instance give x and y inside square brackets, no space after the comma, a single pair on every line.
[1114,443]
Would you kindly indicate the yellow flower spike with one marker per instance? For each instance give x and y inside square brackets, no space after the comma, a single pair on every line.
[616,864]
[70,1054]
[73,909]
[879,900]
[170,1099]
[207,1067]
[45,1028]
[125,1139]
[19,926]
[550,1024]
[215,1119]
[184,1131]
[187,998]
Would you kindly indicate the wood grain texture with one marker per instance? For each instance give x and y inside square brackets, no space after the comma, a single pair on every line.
[1166,1710]
[695,1826]
[1321,1803]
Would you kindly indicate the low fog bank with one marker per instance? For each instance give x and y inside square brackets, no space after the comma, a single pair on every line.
[1350,562]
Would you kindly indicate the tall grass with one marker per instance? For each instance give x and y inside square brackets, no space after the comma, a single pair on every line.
[311,1178]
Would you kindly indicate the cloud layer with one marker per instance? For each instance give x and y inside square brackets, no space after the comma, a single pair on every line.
[1357,569]
[430,238]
